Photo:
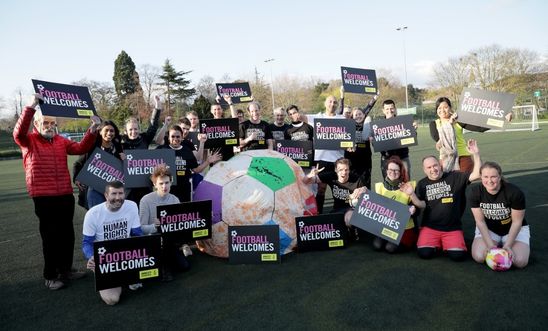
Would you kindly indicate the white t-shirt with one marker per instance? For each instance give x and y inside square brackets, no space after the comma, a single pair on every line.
[107,225]
[325,154]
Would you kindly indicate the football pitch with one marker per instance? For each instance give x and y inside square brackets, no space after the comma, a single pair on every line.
[354,288]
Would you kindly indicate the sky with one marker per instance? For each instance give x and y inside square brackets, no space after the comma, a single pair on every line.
[66,41]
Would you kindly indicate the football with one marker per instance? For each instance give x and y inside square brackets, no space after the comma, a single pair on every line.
[498,259]
[259,187]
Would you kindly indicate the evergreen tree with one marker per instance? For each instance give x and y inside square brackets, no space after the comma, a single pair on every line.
[202,106]
[176,86]
[124,75]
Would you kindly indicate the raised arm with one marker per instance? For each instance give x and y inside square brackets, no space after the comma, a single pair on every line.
[472,147]
[21,130]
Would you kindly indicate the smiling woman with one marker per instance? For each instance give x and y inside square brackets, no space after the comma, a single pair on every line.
[498,208]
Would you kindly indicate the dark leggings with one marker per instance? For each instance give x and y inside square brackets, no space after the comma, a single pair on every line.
[429,252]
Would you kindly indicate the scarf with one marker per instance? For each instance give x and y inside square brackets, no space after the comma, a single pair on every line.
[448,150]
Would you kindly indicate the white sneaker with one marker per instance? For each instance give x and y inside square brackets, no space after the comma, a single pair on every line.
[186,250]
[135,287]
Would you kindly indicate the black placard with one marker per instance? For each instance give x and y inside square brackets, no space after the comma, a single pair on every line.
[101,168]
[220,132]
[334,133]
[185,221]
[254,244]
[139,165]
[356,80]
[126,261]
[393,133]
[381,216]
[64,100]
[300,151]
[240,92]
[485,108]
[321,232]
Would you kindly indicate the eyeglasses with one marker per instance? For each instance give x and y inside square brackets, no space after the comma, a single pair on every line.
[393,170]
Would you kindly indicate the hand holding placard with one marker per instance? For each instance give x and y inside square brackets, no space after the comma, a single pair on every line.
[35,100]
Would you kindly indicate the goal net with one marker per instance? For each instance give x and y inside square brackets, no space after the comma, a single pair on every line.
[525,118]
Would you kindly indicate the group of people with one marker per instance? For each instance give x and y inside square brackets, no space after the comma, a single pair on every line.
[498,207]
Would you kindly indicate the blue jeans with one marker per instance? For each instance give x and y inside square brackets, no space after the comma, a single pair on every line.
[94,197]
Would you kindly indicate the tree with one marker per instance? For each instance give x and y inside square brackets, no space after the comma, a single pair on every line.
[206,87]
[202,106]
[488,68]
[176,86]
[103,96]
[149,77]
[124,75]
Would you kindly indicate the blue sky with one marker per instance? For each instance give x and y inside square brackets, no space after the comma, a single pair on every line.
[64,41]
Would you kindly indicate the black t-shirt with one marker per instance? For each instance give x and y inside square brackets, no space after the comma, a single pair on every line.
[497,209]
[263,134]
[185,161]
[445,200]
[300,132]
[278,132]
[340,191]
[361,158]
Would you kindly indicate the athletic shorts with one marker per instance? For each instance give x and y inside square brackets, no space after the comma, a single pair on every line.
[447,240]
[409,238]
[523,236]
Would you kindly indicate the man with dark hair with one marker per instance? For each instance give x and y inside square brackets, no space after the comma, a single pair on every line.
[113,219]
[298,130]
[49,185]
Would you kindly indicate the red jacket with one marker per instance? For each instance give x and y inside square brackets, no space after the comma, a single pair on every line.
[44,160]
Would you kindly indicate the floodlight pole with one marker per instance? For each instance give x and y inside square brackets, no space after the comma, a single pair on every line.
[271,81]
[402,29]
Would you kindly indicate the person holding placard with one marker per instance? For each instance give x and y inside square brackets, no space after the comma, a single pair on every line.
[109,141]
[344,185]
[186,161]
[254,132]
[449,137]
[174,259]
[323,157]
[298,130]
[227,152]
[135,139]
[360,154]
[390,188]
[389,110]
[499,211]
[279,126]
[441,196]
[48,184]
[113,219]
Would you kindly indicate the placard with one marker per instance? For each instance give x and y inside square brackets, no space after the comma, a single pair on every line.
[254,244]
[321,232]
[101,168]
[356,80]
[185,221]
[334,133]
[485,108]
[126,261]
[381,216]
[240,92]
[220,132]
[64,100]
[300,151]
[393,133]
[139,165]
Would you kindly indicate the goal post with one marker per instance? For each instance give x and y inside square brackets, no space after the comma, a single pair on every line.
[525,118]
